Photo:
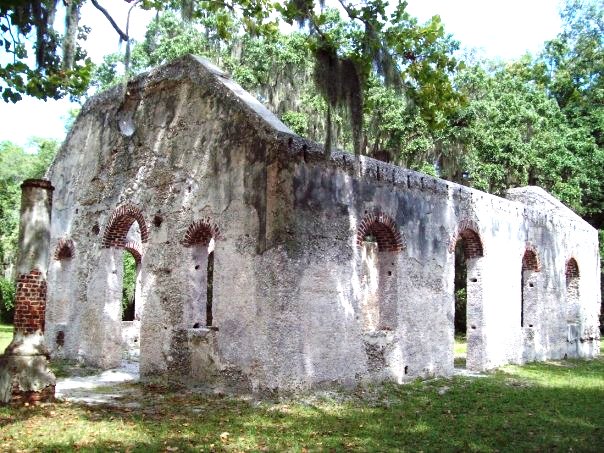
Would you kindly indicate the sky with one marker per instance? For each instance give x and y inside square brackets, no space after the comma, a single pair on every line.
[495,28]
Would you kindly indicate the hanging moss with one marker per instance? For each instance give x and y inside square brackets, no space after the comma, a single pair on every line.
[339,82]
[72,19]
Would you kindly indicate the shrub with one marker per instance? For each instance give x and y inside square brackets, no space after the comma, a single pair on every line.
[7,300]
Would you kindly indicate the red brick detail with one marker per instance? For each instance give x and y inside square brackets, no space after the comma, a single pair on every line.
[20,397]
[472,244]
[530,260]
[383,229]
[572,269]
[30,302]
[200,232]
[135,249]
[119,224]
[64,250]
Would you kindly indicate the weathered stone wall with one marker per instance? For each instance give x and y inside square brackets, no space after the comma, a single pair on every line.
[183,164]
[189,153]
[331,201]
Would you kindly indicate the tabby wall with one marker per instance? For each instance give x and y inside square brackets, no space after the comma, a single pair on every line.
[324,271]
[518,310]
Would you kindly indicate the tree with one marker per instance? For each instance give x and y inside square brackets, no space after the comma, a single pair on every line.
[59,66]
[279,69]
[414,60]
[517,135]
[572,70]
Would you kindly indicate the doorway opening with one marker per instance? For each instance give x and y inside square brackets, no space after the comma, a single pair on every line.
[125,231]
[467,248]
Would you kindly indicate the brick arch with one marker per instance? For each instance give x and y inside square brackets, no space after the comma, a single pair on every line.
[200,232]
[120,222]
[571,269]
[530,259]
[384,229]
[468,231]
[64,249]
[135,250]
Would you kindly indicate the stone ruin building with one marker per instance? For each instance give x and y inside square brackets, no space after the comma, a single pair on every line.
[323,271]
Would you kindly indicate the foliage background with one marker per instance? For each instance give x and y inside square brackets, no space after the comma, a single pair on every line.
[361,78]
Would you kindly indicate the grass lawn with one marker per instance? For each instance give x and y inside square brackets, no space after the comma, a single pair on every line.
[460,351]
[556,406]
[6,335]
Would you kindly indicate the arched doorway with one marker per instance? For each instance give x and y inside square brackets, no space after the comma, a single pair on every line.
[124,234]
[468,250]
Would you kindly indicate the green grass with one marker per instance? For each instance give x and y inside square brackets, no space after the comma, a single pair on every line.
[6,336]
[460,351]
[555,406]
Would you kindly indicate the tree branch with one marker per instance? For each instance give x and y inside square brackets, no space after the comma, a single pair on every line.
[123,36]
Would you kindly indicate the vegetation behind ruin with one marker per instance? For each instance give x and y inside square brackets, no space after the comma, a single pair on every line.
[372,82]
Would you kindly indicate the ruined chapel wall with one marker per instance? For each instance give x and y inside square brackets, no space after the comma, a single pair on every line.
[183,145]
[186,160]
[329,204]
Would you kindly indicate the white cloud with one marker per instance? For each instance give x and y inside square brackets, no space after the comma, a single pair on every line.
[501,29]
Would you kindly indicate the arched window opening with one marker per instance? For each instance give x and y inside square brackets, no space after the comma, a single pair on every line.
[572,291]
[130,272]
[124,233]
[210,288]
[572,271]
[461,288]
[380,242]
[528,288]
[467,248]
[118,231]
[201,238]
[471,243]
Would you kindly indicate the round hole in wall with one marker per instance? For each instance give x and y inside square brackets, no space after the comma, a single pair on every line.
[95,229]
[530,325]
[157,220]
[531,285]
[389,272]
[473,327]
[473,280]
[196,325]
[196,266]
